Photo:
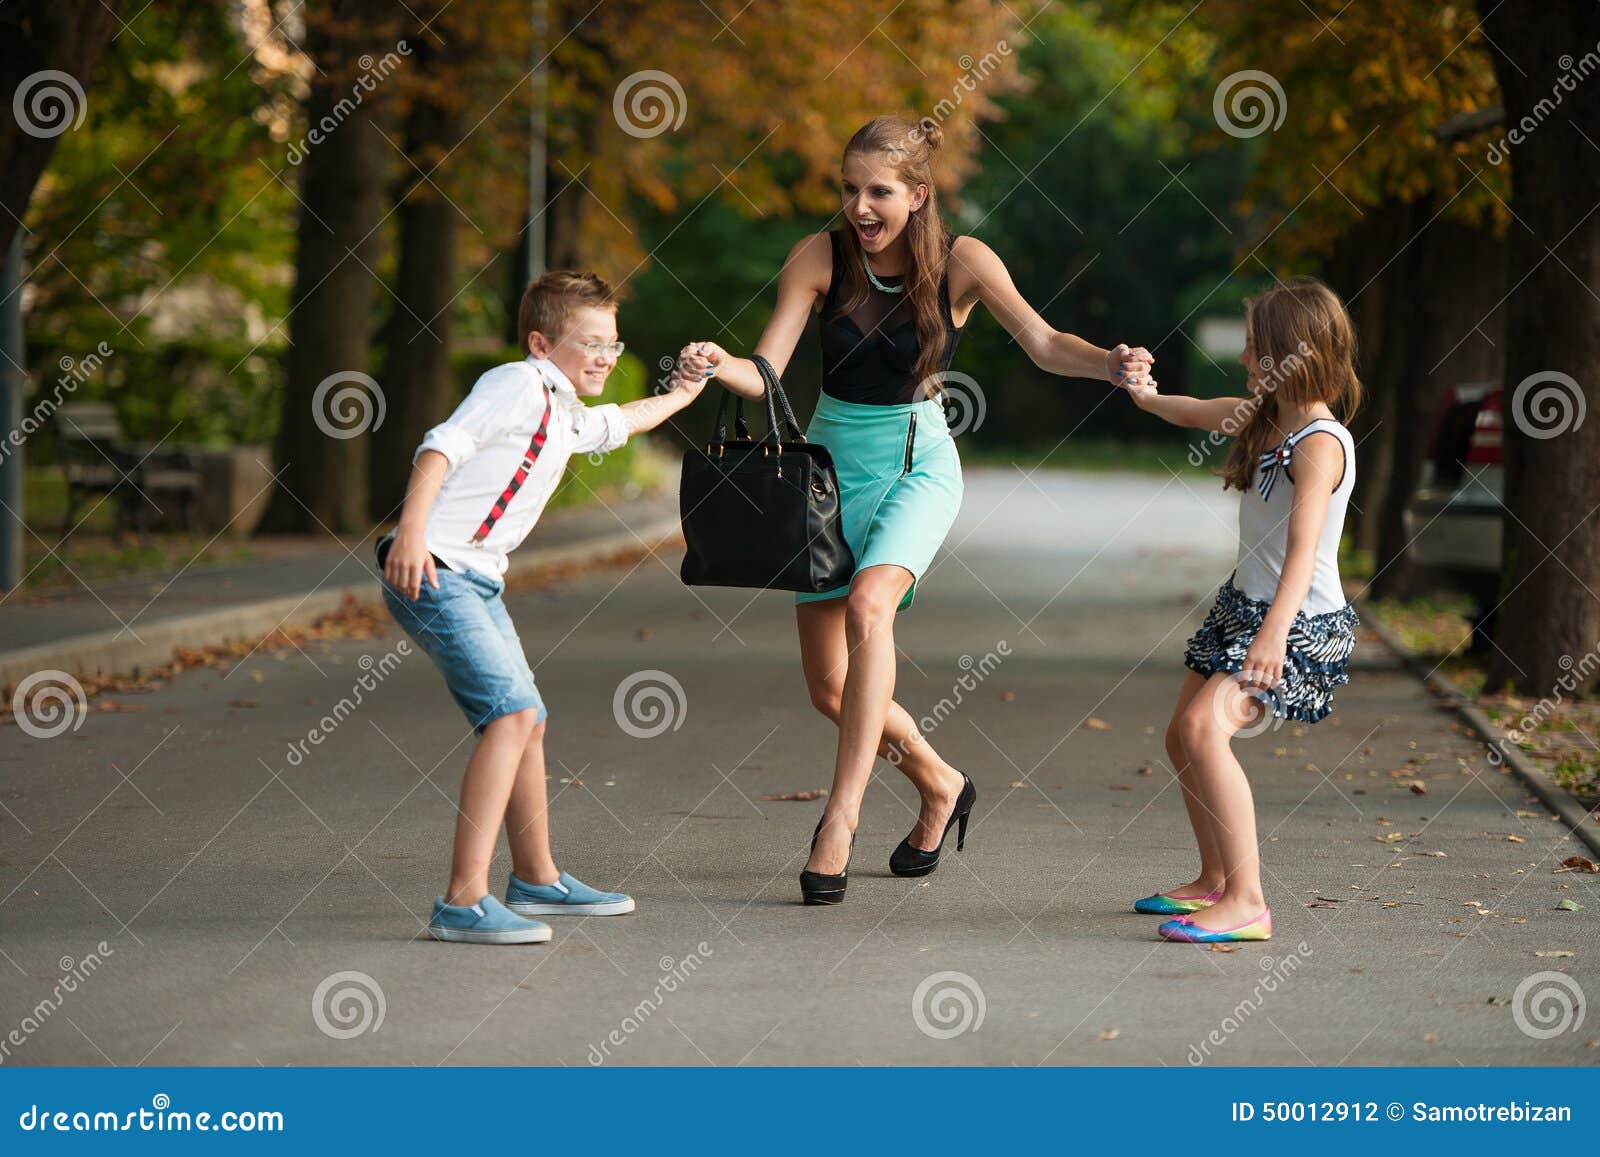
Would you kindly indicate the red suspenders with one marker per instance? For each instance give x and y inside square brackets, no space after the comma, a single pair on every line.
[535,447]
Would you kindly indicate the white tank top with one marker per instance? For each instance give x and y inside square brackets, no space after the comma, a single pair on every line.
[1264,524]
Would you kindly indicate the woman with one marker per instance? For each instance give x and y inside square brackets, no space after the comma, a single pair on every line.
[894,291]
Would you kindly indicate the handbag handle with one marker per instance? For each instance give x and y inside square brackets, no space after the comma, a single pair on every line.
[773,396]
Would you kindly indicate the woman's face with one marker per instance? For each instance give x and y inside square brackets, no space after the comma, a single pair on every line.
[876,202]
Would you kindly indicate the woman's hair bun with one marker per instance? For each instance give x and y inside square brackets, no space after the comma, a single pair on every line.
[932,133]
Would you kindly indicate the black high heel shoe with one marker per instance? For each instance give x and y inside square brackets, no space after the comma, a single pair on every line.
[912,861]
[820,887]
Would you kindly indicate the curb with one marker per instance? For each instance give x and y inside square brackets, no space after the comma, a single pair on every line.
[1578,819]
[118,653]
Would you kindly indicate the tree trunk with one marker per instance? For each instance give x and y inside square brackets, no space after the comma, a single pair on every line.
[416,337]
[327,406]
[1377,291]
[1549,619]
[38,36]
[1459,277]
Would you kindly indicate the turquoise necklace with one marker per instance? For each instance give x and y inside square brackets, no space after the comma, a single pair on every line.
[873,277]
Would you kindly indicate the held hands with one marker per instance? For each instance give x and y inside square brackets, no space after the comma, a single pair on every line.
[697,362]
[409,562]
[1125,367]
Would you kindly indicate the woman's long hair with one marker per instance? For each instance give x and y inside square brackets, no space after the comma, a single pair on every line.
[909,147]
[1305,348]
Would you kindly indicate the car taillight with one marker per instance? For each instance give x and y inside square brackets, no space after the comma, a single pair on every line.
[1487,445]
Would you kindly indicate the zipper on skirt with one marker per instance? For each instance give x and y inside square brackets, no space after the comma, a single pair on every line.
[911,440]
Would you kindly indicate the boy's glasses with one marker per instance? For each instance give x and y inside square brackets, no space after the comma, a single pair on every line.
[597,349]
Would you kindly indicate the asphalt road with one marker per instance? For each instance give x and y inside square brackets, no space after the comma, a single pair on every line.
[261,908]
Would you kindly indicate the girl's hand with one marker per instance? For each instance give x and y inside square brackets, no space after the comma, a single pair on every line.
[1263,662]
[1142,390]
[1124,365]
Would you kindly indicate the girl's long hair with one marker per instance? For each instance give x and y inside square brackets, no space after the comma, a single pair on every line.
[1305,348]
[909,147]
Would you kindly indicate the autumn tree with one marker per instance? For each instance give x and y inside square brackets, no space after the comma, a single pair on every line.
[1358,178]
[322,445]
[48,53]
[1550,614]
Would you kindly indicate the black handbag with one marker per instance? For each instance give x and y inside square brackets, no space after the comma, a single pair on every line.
[763,512]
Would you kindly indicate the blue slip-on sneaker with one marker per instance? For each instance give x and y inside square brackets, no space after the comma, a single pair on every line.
[568,896]
[486,922]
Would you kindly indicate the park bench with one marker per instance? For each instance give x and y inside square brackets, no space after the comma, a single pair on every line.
[148,481]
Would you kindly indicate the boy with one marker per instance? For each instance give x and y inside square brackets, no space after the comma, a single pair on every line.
[479,482]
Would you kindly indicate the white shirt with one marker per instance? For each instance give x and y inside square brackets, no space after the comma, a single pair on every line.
[1264,527]
[486,442]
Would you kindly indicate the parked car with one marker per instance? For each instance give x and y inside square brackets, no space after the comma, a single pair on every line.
[1453,521]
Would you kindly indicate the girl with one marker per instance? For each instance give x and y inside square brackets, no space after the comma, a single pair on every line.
[1280,632]
[894,291]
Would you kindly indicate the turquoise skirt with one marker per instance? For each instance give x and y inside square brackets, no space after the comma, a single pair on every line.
[899,482]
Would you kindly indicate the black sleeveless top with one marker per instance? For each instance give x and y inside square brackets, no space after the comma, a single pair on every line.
[869,356]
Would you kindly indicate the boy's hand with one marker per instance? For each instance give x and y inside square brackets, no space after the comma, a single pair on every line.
[699,360]
[408,563]
[1124,365]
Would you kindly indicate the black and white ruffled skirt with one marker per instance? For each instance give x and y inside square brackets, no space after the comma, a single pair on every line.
[1319,649]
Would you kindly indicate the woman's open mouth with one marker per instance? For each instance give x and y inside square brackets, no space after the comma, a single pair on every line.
[870,230]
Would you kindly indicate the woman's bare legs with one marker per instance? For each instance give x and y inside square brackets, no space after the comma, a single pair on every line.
[1211,875]
[848,656]
[1207,727]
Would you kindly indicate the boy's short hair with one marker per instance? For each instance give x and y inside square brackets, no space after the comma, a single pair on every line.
[548,303]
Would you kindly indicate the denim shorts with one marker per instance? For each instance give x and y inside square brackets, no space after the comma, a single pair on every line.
[464,628]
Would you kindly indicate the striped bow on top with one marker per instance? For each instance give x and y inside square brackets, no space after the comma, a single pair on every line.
[1274,460]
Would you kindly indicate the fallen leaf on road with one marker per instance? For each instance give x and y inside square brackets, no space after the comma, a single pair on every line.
[1390,837]
[1578,864]
[795,796]
[1554,953]
[242,703]
[1568,906]
[1222,947]
[1119,787]
[1008,696]
[1435,855]
[1095,723]
[1527,815]
[1431,1038]
[1321,904]
[1111,1034]
[1148,770]
[1418,787]
[125,708]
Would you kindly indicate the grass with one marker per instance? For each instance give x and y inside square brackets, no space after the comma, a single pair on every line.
[1562,735]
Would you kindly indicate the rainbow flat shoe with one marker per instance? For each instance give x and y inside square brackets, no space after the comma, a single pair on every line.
[1162,904]
[1184,930]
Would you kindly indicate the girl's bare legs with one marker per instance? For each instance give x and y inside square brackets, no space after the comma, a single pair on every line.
[847,653]
[485,790]
[1206,728]
[1211,875]
[528,817]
